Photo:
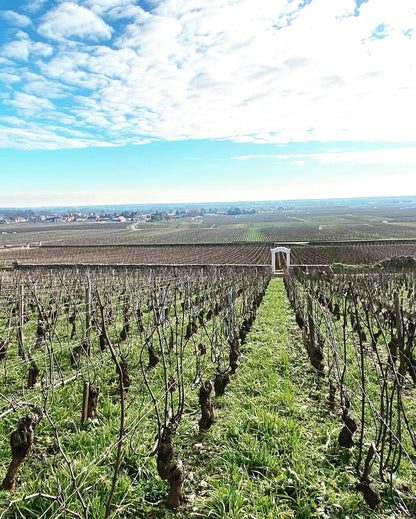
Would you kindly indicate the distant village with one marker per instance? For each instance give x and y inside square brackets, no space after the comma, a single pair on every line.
[71,217]
[16,216]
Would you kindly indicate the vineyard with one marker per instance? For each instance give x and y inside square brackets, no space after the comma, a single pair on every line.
[353,253]
[215,254]
[166,255]
[112,357]
[107,371]
[292,222]
[359,334]
[100,368]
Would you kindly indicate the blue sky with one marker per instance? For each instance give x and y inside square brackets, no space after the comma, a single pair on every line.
[126,101]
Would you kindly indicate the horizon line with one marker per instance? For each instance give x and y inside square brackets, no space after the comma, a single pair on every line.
[211,203]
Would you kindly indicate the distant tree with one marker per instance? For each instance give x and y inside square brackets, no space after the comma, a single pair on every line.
[25,213]
[193,212]
[234,211]
[156,216]
[128,214]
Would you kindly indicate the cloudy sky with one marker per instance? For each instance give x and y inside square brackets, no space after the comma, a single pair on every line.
[133,101]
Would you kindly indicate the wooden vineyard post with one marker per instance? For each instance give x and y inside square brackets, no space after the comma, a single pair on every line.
[88,316]
[21,320]
[399,323]
[400,335]
[85,398]
[231,316]
[311,327]
[315,351]
[402,367]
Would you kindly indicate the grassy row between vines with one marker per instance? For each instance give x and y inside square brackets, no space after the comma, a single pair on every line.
[273,451]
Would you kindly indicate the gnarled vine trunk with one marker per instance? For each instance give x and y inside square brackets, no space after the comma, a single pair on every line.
[170,468]
[21,441]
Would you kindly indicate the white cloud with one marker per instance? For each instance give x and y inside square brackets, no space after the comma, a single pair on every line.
[69,19]
[28,105]
[23,47]
[18,49]
[32,136]
[73,68]
[104,6]
[270,71]
[32,6]
[242,78]
[405,156]
[39,86]
[128,11]
[9,77]
[20,20]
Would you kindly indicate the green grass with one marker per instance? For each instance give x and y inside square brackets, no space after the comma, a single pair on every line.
[273,452]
